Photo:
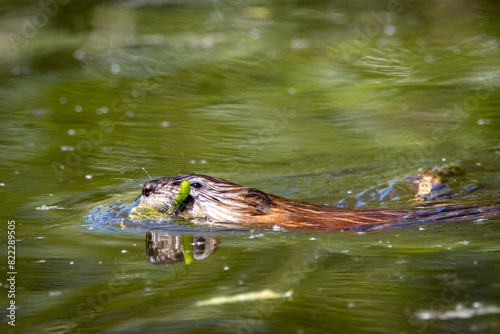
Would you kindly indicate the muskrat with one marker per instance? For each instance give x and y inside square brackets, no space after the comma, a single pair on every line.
[217,200]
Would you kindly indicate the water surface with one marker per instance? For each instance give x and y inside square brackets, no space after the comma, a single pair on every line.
[330,102]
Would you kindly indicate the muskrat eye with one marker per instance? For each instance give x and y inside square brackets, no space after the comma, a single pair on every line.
[146,192]
[195,185]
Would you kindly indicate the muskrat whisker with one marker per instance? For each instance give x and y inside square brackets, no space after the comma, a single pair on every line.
[183,157]
[127,179]
[144,169]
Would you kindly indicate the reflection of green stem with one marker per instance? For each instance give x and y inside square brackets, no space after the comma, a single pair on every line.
[187,246]
[181,196]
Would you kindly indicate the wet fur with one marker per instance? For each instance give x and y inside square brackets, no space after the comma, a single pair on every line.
[218,200]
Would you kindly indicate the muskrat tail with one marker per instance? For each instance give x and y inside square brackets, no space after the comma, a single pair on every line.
[449,214]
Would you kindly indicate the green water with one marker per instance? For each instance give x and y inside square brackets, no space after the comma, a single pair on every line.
[321,101]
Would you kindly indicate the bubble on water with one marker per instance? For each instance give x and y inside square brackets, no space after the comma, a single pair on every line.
[389,30]
[428,58]
[203,161]
[226,267]
[63,100]
[271,54]
[55,293]
[88,177]
[79,54]
[164,124]
[124,251]
[78,108]
[115,68]
[255,34]
[291,90]
[424,315]
[71,132]
[16,70]
[39,112]
[71,262]
[298,43]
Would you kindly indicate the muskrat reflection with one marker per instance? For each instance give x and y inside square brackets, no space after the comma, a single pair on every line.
[167,248]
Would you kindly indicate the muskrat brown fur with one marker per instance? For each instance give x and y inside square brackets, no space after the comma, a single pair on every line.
[217,200]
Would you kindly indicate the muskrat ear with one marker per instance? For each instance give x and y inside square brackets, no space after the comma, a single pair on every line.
[258,199]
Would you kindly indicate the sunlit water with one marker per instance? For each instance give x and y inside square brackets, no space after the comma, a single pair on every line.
[328,102]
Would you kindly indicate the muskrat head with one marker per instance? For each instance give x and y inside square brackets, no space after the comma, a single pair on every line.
[209,197]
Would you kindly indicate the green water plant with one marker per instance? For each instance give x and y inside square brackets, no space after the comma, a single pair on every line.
[181,197]
[144,212]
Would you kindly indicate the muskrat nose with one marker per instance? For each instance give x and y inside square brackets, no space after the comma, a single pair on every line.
[147,191]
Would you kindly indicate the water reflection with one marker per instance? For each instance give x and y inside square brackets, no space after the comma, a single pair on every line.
[168,248]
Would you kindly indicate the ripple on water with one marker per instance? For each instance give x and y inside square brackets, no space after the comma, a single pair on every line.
[116,215]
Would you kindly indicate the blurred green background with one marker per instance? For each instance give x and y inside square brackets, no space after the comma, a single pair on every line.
[326,101]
